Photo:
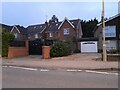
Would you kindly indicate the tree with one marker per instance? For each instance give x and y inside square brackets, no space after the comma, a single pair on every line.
[6,38]
[88,27]
[53,19]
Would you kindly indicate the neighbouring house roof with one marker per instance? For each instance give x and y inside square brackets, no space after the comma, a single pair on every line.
[7,27]
[20,29]
[111,18]
[14,27]
[35,28]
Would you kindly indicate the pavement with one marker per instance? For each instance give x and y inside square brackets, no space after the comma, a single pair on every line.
[76,61]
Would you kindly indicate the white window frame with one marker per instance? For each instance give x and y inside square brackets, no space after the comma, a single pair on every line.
[110,46]
[16,35]
[50,34]
[66,31]
[36,35]
[108,33]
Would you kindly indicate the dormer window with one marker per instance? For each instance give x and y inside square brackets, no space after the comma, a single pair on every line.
[36,35]
[50,34]
[66,31]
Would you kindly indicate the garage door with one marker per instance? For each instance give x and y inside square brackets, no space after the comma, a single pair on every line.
[89,46]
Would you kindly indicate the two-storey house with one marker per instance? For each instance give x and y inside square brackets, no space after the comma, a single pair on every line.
[57,31]
[112,34]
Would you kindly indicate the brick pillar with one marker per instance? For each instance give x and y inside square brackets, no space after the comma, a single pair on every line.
[46,52]
[27,45]
[10,51]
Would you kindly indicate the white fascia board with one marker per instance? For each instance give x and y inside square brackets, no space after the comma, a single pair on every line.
[67,21]
[109,19]
[43,30]
[16,29]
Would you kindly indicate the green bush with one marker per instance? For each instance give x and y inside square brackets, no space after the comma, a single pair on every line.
[60,49]
[6,38]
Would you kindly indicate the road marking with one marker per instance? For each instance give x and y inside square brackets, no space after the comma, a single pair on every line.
[73,70]
[79,70]
[4,66]
[70,70]
[44,70]
[114,73]
[32,69]
[89,71]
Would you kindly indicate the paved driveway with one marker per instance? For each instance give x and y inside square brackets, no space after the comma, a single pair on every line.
[75,61]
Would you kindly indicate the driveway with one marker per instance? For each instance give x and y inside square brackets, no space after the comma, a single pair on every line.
[75,61]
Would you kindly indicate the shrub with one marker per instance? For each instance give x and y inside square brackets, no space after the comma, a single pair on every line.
[6,38]
[60,49]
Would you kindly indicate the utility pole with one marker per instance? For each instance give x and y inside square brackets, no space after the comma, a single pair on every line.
[103,29]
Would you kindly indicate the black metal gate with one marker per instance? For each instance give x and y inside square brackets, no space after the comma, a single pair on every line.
[35,47]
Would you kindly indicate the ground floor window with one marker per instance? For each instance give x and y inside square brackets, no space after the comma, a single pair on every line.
[111,45]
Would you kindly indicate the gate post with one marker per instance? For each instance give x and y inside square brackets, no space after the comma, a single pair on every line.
[46,52]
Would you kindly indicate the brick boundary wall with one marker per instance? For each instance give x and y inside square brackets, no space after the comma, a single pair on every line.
[113,57]
[14,52]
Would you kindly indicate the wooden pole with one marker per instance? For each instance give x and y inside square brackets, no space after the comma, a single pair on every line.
[103,29]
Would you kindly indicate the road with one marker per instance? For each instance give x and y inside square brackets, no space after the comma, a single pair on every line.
[19,78]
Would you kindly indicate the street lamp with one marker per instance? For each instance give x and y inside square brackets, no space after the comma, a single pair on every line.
[103,29]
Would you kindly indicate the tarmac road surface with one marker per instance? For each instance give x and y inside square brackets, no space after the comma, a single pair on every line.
[25,78]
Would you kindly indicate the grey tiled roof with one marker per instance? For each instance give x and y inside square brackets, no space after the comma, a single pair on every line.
[35,28]
[7,27]
[32,29]
[75,22]
[54,26]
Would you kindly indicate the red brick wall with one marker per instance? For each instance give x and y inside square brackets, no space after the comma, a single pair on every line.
[14,52]
[17,52]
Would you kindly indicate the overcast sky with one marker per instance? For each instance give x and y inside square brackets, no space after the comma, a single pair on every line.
[30,13]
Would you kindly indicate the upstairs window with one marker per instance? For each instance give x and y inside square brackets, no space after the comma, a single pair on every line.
[50,34]
[16,35]
[66,31]
[36,35]
[110,31]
